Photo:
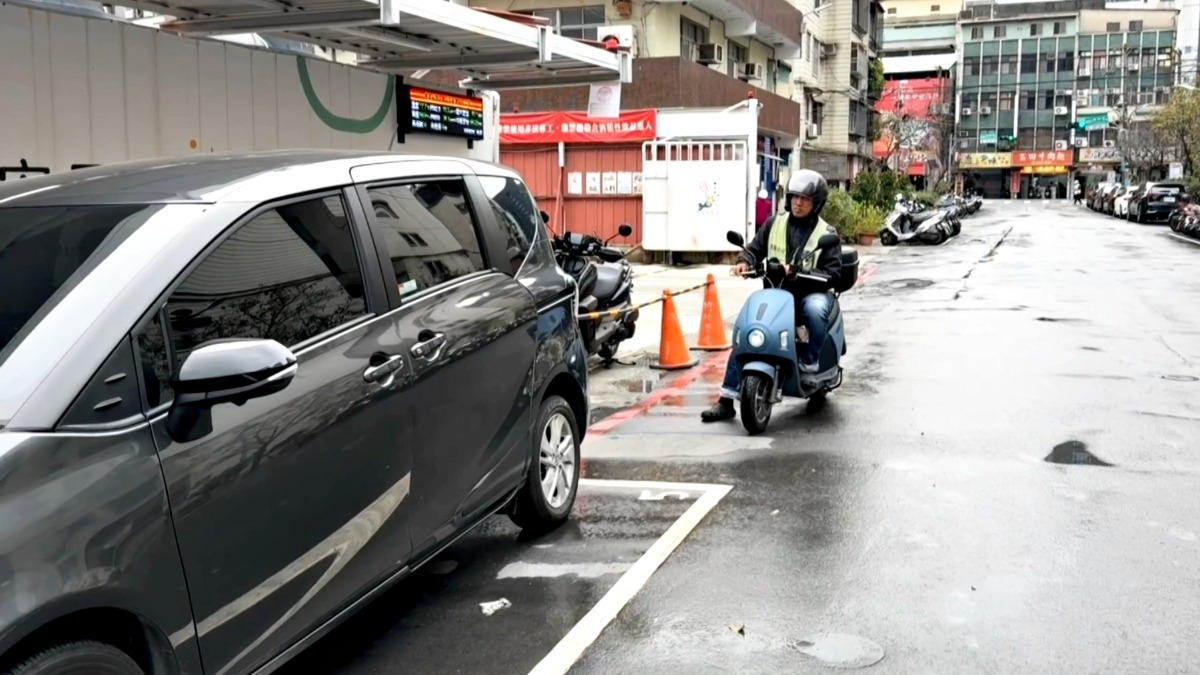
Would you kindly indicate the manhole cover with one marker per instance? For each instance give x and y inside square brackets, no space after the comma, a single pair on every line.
[912,283]
[1181,378]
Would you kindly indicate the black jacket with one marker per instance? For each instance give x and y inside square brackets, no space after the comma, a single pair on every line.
[829,261]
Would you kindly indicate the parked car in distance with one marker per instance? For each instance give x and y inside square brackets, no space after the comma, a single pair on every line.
[1096,200]
[1155,202]
[1121,200]
[242,394]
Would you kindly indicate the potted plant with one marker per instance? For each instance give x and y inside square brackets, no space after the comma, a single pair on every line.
[868,221]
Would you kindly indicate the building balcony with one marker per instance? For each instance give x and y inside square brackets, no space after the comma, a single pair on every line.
[671,82]
[774,22]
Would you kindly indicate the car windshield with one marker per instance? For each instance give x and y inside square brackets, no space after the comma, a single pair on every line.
[44,251]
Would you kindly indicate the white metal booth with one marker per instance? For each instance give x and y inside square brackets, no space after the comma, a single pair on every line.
[699,178]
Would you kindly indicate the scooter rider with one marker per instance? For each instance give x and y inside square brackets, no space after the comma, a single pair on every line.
[791,237]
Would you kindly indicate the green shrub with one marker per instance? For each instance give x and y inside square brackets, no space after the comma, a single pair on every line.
[839,212]
[868,219]
[879,188]
[926,197]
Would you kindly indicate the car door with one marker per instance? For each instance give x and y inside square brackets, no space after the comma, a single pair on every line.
[294,503]
[468,330]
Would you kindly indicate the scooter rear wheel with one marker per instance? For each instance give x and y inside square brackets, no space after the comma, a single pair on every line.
[756,402]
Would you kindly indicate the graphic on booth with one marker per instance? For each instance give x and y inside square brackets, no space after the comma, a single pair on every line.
[910,134]
[708,195]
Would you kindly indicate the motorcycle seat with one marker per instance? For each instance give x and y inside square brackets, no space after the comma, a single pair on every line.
[608,279]
[922,216]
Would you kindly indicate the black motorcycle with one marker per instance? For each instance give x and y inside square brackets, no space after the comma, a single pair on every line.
[605,301]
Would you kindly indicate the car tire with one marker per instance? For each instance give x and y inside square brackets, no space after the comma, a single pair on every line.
[92,658]
[555,449]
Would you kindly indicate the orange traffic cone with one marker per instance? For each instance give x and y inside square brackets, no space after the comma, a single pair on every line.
[673,352]
[712,324]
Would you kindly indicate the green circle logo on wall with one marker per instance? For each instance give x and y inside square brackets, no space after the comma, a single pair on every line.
[337,122]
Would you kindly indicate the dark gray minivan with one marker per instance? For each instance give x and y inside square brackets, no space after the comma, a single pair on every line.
[242,394]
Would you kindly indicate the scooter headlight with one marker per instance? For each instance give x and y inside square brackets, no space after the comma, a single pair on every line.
[756,338]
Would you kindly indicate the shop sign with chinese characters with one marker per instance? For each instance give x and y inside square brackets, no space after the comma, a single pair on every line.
[1042,157]
[1050,170]
[1099,156]
[985,160]
[576,127]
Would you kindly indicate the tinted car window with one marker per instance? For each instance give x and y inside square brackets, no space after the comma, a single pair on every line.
[289,274]
[45,250]
[429,232]
[517,213]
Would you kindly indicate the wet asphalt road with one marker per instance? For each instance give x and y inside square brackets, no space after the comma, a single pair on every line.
[914,517]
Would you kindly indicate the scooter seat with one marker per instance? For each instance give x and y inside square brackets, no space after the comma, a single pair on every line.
[608,279]
[922,216]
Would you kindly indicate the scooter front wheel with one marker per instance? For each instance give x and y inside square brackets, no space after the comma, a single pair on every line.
[756,402]
[887,238]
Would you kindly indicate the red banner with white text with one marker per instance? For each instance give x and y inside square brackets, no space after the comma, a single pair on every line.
[576,127]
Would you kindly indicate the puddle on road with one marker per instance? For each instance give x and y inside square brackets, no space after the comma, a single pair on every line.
[1073,452]
[838,650]
[1180,378]
[912,283]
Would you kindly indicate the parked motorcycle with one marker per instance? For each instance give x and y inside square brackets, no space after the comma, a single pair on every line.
[912,222]
[767,341]
[605,290]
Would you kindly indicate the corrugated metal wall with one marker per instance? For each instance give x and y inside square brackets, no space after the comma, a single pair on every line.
[593,214]
[90,91]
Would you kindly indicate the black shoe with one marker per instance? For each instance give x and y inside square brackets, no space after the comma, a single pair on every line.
[723,410]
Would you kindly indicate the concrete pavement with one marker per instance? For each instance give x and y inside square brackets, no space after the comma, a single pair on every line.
[1006,483]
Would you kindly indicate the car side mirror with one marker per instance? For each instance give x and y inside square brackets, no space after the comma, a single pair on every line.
[545,217]
[829,241]
[225,371]
[625,230]
[735,239]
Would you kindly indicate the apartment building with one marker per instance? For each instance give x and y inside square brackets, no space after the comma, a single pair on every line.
[833,84]
[696,54]
[920,27]
[1049,90]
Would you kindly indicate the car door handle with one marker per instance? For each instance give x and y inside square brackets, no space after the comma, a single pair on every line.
[383,370]
[428,345]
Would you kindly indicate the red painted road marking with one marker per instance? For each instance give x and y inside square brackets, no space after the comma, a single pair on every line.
[681,382]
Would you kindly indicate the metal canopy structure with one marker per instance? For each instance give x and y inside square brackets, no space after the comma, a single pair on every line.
[497,50]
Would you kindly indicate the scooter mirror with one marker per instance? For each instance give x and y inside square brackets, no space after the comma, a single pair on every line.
[735,239]
[829,241]
[545,217]
[624,230]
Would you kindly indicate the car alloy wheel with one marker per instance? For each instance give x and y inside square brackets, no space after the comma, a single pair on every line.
[557,460]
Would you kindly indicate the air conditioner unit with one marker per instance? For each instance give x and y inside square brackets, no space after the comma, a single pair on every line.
[1110,144]
[985,110]
[828,50]
[966,112]
[1081,100]
[1060,145]
[1085,71]
[622,34]
[710,53]
[1081,142]
[963,133]
[1061,110]
[964,144]
[1134,65]
[813,131]
[751,71]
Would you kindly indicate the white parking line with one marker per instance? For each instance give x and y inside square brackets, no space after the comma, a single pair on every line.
[583,634]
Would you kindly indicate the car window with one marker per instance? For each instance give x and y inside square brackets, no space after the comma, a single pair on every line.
[517,213]
[44,251]
[289,274]
[429,232]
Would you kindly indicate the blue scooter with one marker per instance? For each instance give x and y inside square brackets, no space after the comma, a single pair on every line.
[766,339]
